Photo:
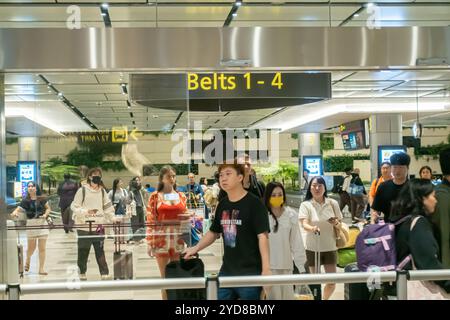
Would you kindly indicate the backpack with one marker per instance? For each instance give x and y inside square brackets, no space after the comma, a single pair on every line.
[356,189]
[375,246]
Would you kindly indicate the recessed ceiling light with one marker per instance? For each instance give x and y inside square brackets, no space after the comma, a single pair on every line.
[238,3]
[370,5]
[105,5]
[84,118]
[60,94]
[356,15]
[234,14]
[103,14]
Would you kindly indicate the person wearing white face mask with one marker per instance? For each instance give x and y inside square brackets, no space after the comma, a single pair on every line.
[285,240]
[92,205]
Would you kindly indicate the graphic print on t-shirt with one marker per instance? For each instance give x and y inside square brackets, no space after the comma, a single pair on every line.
[229,224]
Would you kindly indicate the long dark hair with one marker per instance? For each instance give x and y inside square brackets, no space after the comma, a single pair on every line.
[38,190]
[267,194]
[319,180]
[164,170]
[410,198]
[114,188]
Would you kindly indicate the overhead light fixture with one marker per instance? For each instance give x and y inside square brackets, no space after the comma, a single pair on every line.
[356,15]
[238,3]
[234,15]
[103,14]
[369,5]
[60,94]
[105,5]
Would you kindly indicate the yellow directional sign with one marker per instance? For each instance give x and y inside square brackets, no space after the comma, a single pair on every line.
[120,134]
[134,134]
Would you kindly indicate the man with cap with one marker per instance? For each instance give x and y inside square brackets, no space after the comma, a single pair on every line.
[441,217]
[388,191]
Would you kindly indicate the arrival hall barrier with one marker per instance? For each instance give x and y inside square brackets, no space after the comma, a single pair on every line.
[212,282]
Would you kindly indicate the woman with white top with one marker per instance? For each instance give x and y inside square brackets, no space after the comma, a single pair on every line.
[285,239]
[320,214]
[119,198]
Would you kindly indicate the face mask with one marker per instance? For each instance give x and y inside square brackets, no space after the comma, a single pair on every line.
[97,180]
[276,201]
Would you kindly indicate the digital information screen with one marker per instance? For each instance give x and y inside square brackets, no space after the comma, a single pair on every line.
[26,172]
[385,153]
[314,164]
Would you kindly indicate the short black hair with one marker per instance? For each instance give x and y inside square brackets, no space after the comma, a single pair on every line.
[400,159]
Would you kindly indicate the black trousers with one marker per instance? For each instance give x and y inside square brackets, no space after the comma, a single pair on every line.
[138,222]
[66,215]
[85,240]
[344,199]
[357,205]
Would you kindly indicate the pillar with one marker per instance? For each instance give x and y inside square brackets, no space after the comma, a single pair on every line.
[3,213]
[385,129]
[308,145]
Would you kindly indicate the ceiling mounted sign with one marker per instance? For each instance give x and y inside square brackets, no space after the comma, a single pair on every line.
[221,91]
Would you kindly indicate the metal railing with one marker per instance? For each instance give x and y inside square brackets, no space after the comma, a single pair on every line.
[212,282]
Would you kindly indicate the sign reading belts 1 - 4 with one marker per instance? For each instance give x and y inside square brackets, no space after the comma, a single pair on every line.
[223,81]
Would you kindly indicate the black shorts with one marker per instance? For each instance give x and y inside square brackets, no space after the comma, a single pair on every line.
[328,257]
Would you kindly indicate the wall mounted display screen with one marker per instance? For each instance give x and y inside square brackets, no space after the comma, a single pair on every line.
[314,164]
[355,134]
[385,153]
[26,172]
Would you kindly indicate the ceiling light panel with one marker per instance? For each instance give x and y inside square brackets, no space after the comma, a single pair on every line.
[88,89]
[141,14]
[85,97]
[70,78]
[294,13]
[373,75]
[423,75]
[17,78]
[193,13]
[32,13]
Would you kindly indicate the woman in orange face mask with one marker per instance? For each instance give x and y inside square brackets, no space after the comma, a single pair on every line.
[285,239]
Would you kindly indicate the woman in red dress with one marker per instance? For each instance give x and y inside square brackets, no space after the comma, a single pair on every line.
[166,216]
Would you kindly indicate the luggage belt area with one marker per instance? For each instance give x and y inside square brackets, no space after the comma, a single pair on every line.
[213,282]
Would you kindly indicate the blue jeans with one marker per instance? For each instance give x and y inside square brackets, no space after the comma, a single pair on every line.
[244,293]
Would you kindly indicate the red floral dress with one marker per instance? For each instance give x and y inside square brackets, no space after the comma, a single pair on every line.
[164,228]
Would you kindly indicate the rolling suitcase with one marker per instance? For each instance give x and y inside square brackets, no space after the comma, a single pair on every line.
[122,259]
[355,291]
[316,289]
[185,269]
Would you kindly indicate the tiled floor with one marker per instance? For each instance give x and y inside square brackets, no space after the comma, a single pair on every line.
[61,264]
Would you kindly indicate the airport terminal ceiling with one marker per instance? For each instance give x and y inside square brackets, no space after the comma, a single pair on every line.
[68,102]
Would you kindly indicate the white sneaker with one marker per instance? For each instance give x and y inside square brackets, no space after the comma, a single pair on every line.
[83,277]
[106,277]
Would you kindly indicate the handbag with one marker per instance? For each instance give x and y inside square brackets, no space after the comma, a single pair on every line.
[341,233]
[424,290]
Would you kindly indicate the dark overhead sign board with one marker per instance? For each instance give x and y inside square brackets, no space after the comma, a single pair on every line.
[221,91]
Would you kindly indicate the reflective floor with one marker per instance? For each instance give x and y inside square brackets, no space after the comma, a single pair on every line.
[61,263]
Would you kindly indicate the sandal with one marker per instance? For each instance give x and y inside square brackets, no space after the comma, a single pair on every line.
[43,273]
[27,267]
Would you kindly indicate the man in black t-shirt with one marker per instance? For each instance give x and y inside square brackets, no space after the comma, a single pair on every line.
[243,221]
[388,191]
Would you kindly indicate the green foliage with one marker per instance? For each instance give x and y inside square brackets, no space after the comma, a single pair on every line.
[294,153]
[284,172]
[340,163]
[326,142]
[294,136]
[11,140]
[433,150]
[77,157]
